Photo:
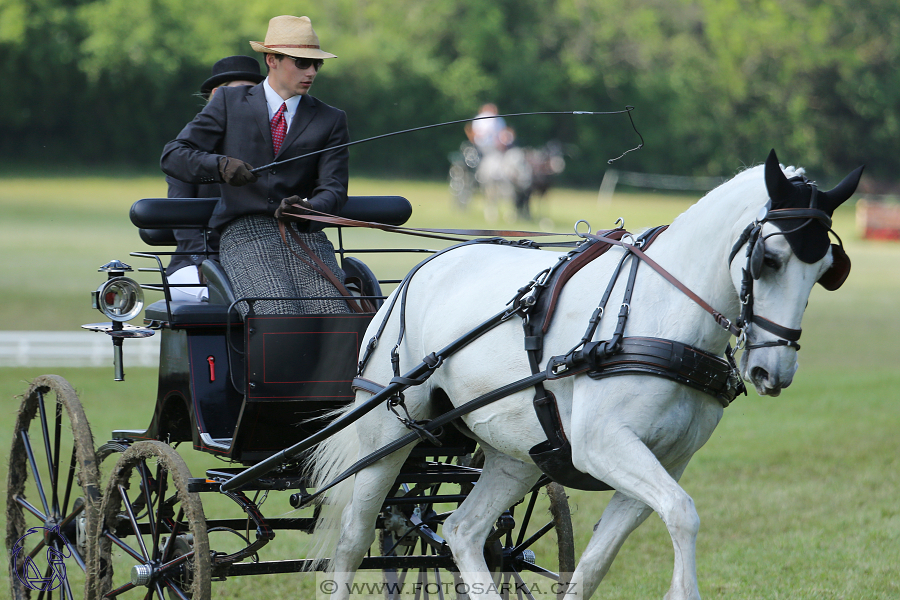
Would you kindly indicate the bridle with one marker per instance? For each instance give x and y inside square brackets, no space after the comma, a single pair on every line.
[756,251]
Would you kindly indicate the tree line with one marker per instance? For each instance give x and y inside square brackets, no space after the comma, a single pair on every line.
[715,83]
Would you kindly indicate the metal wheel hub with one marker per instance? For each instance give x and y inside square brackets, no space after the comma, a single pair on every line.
[141,574]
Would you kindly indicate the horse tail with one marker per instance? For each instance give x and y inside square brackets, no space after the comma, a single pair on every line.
[329,459]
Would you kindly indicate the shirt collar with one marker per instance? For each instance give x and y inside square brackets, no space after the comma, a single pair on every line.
[275,101]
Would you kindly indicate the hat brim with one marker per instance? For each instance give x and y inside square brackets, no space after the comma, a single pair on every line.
[217,80]
[293,52]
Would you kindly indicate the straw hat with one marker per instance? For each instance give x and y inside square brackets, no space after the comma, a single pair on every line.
[232,68]
[292,36]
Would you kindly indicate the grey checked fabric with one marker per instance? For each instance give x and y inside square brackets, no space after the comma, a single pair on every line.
[258,264]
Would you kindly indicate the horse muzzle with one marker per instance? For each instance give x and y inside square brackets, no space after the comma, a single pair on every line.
[769,369]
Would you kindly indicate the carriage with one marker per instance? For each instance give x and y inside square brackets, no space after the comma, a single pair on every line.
[498,402]
[241,390]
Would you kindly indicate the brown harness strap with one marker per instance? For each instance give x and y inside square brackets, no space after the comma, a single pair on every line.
[440,234]
[721,319]
[319,266]
[571,268]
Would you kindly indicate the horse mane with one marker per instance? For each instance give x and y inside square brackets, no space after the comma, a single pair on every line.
[734,187]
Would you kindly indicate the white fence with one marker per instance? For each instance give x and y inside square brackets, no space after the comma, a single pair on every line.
[73,349]
[612,178]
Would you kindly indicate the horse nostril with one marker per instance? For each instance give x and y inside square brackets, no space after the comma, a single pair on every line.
[759,374]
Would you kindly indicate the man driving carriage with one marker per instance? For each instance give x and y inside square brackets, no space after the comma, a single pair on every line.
[271,121]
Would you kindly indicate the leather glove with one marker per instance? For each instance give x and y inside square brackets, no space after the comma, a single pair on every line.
[293,204]
[235,172]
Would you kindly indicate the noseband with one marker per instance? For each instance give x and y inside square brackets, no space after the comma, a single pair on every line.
[756,251]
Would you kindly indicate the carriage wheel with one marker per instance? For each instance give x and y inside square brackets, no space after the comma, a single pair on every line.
[561,517]
[152,539]
[53,493]
[409,533]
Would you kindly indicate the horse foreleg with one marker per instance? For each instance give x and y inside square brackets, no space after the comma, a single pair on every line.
[621,516]
[623,461]
[370,488]
[504,481]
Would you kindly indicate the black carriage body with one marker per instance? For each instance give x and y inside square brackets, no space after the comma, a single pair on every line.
[249,405]
[299,369]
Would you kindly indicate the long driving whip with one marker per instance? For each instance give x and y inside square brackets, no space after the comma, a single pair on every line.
[627,111]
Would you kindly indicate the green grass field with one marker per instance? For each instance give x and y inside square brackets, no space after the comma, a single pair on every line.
[798,495]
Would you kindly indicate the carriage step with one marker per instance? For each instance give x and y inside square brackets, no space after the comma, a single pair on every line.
[215,443]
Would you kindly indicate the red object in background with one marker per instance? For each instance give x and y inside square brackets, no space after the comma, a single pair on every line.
[878,220]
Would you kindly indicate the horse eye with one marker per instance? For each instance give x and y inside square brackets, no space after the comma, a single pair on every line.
[771,262]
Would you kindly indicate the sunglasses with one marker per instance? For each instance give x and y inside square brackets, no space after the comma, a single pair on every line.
[305,63]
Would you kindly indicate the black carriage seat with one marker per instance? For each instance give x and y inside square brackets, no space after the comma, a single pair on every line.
[156,217]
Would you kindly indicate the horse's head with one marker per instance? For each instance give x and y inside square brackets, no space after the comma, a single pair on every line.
[787,250]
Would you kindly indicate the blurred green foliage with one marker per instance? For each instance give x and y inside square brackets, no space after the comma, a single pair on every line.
[716,83]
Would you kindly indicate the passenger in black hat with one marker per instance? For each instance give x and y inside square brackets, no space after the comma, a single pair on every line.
[230,71]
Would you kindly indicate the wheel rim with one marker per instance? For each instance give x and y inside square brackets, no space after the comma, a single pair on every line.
[53,494]
[153,541]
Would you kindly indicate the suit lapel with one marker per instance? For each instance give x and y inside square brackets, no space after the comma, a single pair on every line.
[306,110]
[256,97]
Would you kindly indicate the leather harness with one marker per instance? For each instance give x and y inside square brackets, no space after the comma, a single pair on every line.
[535,303]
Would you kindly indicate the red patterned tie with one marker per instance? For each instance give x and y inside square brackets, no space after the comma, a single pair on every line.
[279,128]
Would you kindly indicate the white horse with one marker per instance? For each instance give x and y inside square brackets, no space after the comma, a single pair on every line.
[635,433]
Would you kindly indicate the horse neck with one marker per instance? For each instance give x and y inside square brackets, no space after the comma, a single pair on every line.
[695,250]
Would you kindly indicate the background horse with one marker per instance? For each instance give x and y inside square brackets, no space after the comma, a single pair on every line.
[635,433]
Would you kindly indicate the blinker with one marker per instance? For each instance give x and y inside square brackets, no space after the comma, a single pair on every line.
[756,258]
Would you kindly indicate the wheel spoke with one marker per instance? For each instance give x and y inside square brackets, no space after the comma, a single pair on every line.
[66,586]
[520,585]
[52,465]
[527,517]
[128,549]
[160,494]
[438,581]
[172,586]
[176,561]
[75,555]
[28,506]
[145,490]
[170,543]
[526,566]
[46,576]
[537,535]
[57,439]
[134,524]
[159,591]
[119,590]
[35,473]
[69,479]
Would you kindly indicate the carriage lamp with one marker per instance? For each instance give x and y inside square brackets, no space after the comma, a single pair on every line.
[120,299]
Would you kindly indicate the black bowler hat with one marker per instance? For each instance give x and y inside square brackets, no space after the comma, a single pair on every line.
[232,68]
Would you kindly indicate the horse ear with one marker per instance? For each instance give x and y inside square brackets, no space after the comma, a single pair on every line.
[777,184]
[842,191]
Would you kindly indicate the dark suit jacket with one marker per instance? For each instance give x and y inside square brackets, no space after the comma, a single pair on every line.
[235,123]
